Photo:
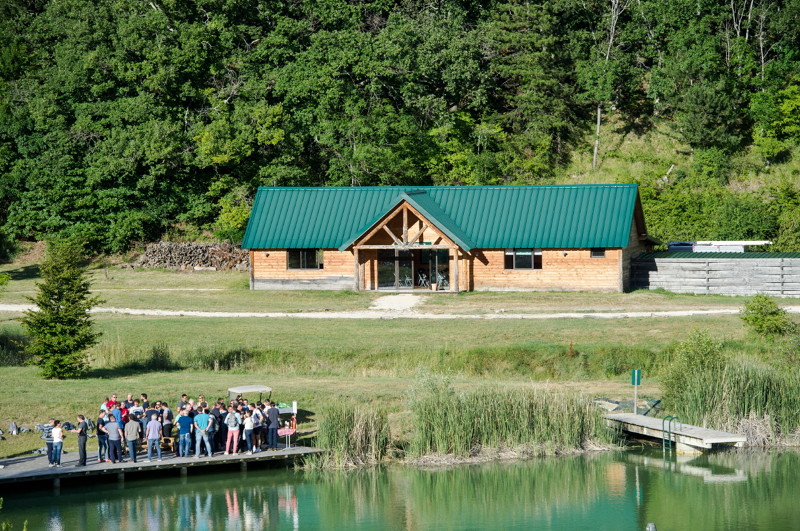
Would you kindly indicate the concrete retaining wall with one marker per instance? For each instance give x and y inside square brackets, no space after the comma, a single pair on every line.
[328,282]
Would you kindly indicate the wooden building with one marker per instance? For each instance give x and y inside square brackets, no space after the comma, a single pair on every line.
[565,238]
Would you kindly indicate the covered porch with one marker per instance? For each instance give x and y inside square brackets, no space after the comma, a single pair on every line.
[408,250]
[412,269]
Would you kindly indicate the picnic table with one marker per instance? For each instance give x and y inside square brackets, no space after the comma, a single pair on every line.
[287,432]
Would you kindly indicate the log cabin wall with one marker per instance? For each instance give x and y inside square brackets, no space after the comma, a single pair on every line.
[562,270]
[270,270]
[478,270]
[636,246]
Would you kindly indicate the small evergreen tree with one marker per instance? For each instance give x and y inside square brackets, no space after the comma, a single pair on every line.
[61,329]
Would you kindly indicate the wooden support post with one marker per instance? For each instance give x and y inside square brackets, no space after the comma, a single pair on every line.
[252,268]
[356,270]
[121,477]
[57,483]
[243,466]
[454,284]
[405,224]
[184,471]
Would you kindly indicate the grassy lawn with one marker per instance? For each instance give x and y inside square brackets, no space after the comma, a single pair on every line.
[229,291]
[331,336]
[544,302]
[187,290]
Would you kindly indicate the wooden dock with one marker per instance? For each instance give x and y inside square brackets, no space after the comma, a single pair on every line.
[687,439]
[34,470]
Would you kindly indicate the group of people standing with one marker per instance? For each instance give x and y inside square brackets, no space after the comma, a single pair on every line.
[239,426]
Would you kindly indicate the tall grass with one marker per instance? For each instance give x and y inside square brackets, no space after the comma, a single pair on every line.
[709,386]
[462,423]
[733,395]
[352,435]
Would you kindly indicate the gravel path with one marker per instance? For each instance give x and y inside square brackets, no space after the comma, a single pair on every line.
[400,307]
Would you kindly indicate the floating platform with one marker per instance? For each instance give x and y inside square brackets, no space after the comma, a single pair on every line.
[31,470]
[687,439]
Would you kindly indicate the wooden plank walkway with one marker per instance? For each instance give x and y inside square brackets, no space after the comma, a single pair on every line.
[692,439]
[35,469]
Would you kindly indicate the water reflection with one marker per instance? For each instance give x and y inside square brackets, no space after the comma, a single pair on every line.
[625,490]
[690,465]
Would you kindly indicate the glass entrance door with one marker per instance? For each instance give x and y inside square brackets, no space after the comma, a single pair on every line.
[438,262]
[386,268]
[395,269]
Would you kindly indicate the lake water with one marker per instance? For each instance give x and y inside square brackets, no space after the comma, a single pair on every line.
[742,490]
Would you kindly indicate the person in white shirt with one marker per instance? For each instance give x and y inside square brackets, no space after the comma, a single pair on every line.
[58,443]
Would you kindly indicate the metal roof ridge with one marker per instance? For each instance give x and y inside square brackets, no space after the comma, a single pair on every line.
[422,189]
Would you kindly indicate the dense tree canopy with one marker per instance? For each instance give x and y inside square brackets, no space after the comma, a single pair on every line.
[121,120]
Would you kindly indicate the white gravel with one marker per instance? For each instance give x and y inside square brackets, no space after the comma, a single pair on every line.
[399,309]
[403,302]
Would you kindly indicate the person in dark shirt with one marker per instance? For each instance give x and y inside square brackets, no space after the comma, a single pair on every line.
[149,412]
[102,438]
[167,419]
[82,432]
[272,429]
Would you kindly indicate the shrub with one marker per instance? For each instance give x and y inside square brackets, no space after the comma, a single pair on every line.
[159,359]
[218,359]
[764,317]
[12,349]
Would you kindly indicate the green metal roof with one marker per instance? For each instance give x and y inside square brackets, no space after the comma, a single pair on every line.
[485,217]
[707,255]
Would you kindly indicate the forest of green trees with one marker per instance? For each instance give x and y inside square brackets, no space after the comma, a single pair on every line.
[124,121]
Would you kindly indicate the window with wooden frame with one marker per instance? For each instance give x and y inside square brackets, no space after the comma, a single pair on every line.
[304,259]
[523,259]
[597,252]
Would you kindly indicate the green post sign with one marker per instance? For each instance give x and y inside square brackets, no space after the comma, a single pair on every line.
[636,381]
